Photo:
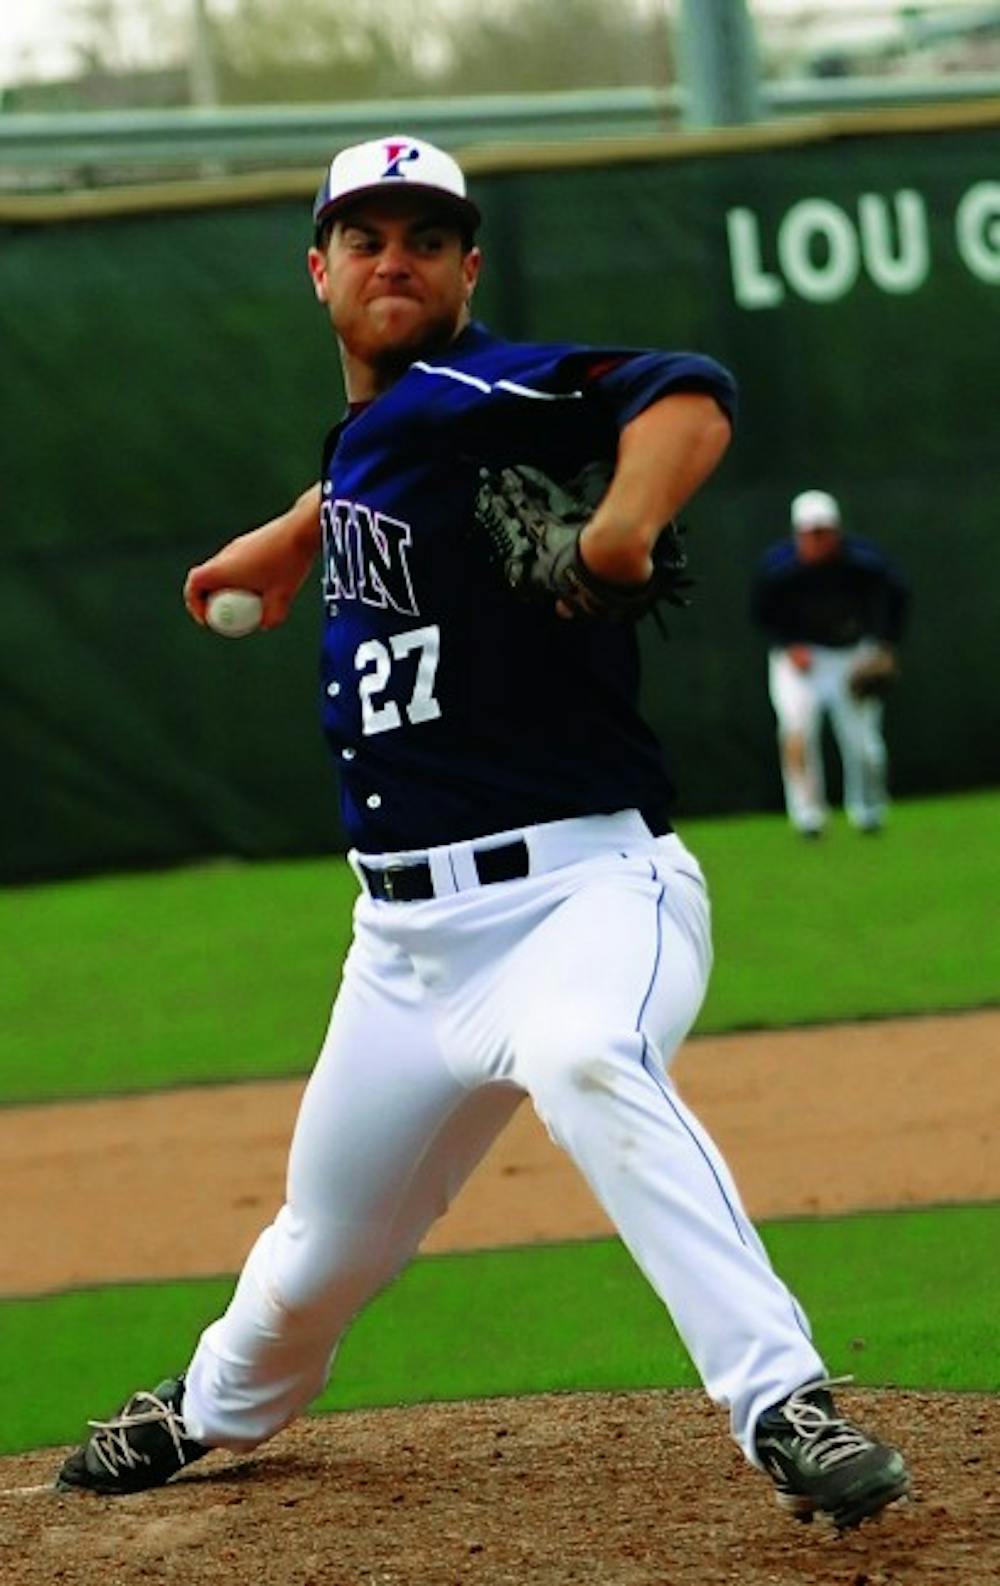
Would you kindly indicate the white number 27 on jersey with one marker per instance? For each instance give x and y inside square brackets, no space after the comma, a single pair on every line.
[375,661]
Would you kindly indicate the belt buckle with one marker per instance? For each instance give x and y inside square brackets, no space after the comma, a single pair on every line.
[388,884]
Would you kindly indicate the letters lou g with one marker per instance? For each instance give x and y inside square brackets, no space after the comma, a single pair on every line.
[819,250]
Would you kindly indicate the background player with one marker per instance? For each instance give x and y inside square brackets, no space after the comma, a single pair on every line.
[833,607]
[528,922]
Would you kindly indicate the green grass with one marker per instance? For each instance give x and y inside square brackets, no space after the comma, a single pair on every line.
[217,972]
[549,1317]
[226,971]
[853,927]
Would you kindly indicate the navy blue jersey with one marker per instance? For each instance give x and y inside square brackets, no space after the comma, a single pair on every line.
[452,709]
[856,595]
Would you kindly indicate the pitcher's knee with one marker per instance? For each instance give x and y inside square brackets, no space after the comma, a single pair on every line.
[578,1055]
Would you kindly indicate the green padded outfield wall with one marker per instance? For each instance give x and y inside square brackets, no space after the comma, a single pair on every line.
[167,380]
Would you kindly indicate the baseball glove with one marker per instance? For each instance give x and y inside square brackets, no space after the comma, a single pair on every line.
[533,525]
[873,677]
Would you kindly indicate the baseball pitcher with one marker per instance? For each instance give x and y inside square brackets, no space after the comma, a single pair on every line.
[491,520]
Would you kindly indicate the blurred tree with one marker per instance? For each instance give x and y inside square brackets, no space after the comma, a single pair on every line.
[281,50]
[530,46]
[96,29]
[105,37]
[330,51]
[287,50]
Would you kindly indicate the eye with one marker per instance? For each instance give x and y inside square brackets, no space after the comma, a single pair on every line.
[429,242]
[356,241]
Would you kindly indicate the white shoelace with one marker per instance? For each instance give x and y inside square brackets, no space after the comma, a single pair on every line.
[828,1439]
[110,1441]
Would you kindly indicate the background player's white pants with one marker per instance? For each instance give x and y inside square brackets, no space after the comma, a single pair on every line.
[801,700]
[575,985]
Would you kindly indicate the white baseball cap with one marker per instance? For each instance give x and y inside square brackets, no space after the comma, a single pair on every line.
[396,161]
[815,509]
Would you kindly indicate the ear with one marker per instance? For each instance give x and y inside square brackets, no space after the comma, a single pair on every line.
[316,261]
[471,264]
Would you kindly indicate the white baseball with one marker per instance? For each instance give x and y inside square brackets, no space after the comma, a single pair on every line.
[233,612]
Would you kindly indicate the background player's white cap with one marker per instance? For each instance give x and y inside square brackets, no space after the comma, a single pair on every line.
[399,161]
[815,509]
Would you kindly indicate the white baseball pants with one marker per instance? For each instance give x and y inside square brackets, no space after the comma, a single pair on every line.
[574,986]
[801,700]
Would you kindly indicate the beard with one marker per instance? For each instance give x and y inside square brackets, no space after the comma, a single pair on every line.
[389,353]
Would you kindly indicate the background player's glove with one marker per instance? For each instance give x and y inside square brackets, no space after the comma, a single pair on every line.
[873,677]
[533,526]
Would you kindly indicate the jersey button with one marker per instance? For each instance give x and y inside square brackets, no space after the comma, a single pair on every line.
[348,754]
[374,801]
[333,689]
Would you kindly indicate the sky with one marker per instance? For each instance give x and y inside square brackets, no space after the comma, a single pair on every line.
[37,36]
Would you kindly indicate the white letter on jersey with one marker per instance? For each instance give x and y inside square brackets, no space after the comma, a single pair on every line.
[338,534]
[383,571]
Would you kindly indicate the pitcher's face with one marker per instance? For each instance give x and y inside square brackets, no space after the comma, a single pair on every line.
[396,278]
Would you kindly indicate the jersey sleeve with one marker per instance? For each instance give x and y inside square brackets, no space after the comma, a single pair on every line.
[633,382]
[625,379]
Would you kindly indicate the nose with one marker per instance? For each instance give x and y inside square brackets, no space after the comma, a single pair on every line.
[394,260]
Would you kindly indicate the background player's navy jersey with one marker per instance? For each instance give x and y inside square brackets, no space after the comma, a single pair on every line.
[452,709]
[856,595]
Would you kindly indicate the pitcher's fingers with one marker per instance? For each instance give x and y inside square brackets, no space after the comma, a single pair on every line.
[277,604]
[197,587]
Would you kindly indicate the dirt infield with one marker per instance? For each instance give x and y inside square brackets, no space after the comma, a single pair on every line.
[639,1489]
[901,1112]
[642,1489]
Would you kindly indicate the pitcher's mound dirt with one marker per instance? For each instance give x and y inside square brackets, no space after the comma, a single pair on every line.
[641,1489]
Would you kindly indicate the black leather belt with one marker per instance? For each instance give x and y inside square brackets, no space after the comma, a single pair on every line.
[414,883]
